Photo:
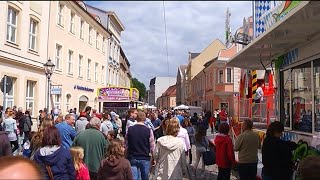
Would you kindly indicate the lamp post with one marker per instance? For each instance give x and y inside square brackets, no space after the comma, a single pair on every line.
[48,68]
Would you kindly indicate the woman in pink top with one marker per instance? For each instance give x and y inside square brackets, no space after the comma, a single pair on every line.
[82,171]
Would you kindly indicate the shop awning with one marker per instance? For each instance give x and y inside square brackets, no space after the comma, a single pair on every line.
[300,25]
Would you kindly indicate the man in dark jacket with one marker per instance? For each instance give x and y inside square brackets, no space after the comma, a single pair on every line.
[5,146]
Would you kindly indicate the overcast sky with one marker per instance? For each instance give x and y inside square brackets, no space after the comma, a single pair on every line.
[191,26]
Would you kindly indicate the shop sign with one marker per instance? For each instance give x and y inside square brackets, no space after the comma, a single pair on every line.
[82,88]
[280,10]
[290,57]
[114,94]
[55,90]
[134,94]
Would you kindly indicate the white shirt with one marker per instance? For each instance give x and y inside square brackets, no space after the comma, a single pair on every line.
[259,93]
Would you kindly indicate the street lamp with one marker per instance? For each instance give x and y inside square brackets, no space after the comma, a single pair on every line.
[48,69]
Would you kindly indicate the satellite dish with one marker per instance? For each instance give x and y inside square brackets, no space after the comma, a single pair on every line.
[8,84]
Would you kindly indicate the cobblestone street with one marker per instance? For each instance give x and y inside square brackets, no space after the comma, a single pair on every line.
[210,173]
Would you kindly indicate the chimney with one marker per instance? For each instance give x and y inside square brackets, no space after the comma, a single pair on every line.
[189,55]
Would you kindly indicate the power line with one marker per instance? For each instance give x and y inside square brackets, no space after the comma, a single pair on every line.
[165,31]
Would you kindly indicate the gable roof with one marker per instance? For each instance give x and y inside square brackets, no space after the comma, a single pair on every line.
[171,91]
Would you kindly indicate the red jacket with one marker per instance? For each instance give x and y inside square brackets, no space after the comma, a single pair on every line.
[224,151]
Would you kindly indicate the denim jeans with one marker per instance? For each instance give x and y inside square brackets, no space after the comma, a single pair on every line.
[247,171]
[140,169]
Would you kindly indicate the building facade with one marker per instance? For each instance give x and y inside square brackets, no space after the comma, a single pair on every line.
[124,73]
[168,99]
[114,26]
[181,85]
[159,85]
[77,44]
[23,51]
[195,66]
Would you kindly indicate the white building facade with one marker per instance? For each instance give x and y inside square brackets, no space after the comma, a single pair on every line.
[23,51]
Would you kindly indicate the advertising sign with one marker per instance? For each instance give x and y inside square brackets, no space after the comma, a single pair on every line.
[114,94]
[134,94]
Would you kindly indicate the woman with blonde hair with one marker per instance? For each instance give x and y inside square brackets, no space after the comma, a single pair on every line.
[82,171]
[36,140]
[115,166]
[169,154]
[10,127]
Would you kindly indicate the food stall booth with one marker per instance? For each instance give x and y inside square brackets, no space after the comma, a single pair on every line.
[117,99]
[290,46]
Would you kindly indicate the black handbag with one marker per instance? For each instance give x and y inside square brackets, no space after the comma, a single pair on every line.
[209,156]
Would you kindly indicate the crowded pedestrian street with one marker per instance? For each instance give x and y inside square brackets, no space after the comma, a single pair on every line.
[161,90]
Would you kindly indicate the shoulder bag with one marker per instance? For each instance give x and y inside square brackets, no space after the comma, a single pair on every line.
[48,168]
[209,156]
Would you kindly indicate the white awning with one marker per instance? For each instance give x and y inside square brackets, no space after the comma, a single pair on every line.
[299,26]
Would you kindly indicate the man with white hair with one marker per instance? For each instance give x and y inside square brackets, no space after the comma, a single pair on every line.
[94,144]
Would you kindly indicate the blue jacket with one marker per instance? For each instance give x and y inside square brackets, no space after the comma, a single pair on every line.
[67,134]
[60,162]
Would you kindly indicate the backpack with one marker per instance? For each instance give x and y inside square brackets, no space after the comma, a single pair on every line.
[115,127]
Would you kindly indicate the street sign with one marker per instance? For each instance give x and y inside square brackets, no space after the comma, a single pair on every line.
[8,84]
[56,90]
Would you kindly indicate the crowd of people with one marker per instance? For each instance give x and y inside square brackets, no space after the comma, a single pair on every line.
[144,145]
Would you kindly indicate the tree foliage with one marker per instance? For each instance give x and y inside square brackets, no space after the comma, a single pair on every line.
[135,83]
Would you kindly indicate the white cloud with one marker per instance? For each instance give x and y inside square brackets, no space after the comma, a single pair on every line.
[191,26]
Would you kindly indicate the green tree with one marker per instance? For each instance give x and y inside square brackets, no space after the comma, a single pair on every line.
[135,83]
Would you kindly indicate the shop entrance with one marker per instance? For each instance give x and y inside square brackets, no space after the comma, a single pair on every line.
[83,101]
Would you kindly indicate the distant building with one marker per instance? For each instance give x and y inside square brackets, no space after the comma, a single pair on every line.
[181,84]
[168,99]
[159,85]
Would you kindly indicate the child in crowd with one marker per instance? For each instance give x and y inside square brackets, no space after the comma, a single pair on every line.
[115,166]
[82,171]
[26,146]
[111,135]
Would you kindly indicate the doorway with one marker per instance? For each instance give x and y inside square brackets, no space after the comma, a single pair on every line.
[83,101]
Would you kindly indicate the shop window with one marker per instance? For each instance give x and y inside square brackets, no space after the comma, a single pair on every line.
[316,79]
[301,98]
[12,25]
[286,97]
[30,95]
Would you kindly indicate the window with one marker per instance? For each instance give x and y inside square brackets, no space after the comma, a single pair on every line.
[97,41]
[103,49]
[220,77]
[72,23]
[57,101]
[30,95]
[96,72]
[58,57]
[88,69]
[301,102]
[90,35]
[229,75]
[102,75]
[60,14]
[286,97]
[12,25]
[81,30]
[68,102]
[33,35]
[80,66]
[109,74]
[70,57]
